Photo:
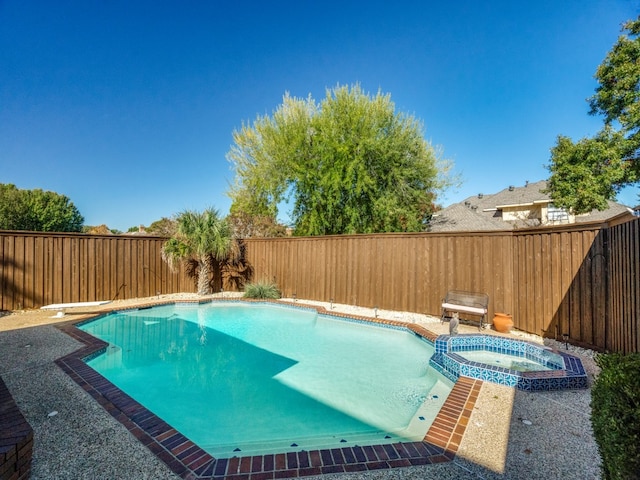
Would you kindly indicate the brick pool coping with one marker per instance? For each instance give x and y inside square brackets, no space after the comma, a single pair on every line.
[188,460]
[16,439]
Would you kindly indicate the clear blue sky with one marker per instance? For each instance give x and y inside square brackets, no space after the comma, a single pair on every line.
[128,107]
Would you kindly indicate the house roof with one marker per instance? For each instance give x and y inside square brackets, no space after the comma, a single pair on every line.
[460,217]
[483,212]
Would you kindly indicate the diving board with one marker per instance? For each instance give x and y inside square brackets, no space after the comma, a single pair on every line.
[61,307]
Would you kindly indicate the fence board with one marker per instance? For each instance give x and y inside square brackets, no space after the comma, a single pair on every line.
[547,285]
[18,277]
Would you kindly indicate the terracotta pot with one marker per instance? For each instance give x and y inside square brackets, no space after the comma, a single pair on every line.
[503,322]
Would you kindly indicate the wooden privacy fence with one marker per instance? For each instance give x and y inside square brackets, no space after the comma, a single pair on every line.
[43,268]
[407,272]
[580,280]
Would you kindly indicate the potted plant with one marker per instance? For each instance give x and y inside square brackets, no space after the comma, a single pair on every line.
[503,322]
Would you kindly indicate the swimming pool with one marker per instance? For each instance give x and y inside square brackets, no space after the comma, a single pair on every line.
[242,379]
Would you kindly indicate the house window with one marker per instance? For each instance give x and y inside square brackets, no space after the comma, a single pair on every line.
[555,214]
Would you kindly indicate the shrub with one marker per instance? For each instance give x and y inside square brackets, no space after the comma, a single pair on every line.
[261,290]
[615,415]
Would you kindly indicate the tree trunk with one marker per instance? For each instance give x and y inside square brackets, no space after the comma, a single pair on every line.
[216,281]
[203,278]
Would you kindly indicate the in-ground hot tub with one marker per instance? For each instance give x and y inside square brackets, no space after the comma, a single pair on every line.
[514,363]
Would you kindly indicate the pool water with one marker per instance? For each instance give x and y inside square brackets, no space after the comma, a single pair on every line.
[243,379]
[512,362]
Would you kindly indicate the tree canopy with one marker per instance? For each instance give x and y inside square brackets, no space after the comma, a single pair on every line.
[350,164]
[165,227]
[584,175]
[246,225]
[37,210]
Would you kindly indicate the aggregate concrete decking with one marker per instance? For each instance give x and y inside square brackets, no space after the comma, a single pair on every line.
[76,438]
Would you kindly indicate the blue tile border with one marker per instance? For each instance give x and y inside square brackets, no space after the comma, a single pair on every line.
[567,371]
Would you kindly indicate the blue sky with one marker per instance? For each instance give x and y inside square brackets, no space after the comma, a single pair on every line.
[128,107]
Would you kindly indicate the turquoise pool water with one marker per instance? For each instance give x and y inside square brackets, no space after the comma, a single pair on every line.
[512,362]
[243,379]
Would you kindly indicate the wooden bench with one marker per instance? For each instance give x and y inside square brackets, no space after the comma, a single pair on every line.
[470,303]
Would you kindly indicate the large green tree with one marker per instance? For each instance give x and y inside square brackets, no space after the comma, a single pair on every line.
[37,210]
[247,225]
[204,239]
[584,175]
[350,164]
[165,227]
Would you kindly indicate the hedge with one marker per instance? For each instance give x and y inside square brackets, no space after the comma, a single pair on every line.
[615,415]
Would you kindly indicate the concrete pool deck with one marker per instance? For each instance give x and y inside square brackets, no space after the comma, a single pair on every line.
[510,434]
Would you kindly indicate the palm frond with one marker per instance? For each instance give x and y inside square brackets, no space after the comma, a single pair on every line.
[174,252]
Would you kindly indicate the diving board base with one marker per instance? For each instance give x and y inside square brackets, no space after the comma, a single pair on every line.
[61,307]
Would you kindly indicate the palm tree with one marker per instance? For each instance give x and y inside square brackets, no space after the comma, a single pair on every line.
[201,238]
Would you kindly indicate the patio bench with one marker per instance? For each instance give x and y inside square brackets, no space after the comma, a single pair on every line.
[469,303]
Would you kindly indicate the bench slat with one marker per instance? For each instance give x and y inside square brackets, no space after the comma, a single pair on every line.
[464,308]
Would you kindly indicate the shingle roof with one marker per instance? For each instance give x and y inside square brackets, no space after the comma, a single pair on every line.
[530,193]
[480,212]
[459,217]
